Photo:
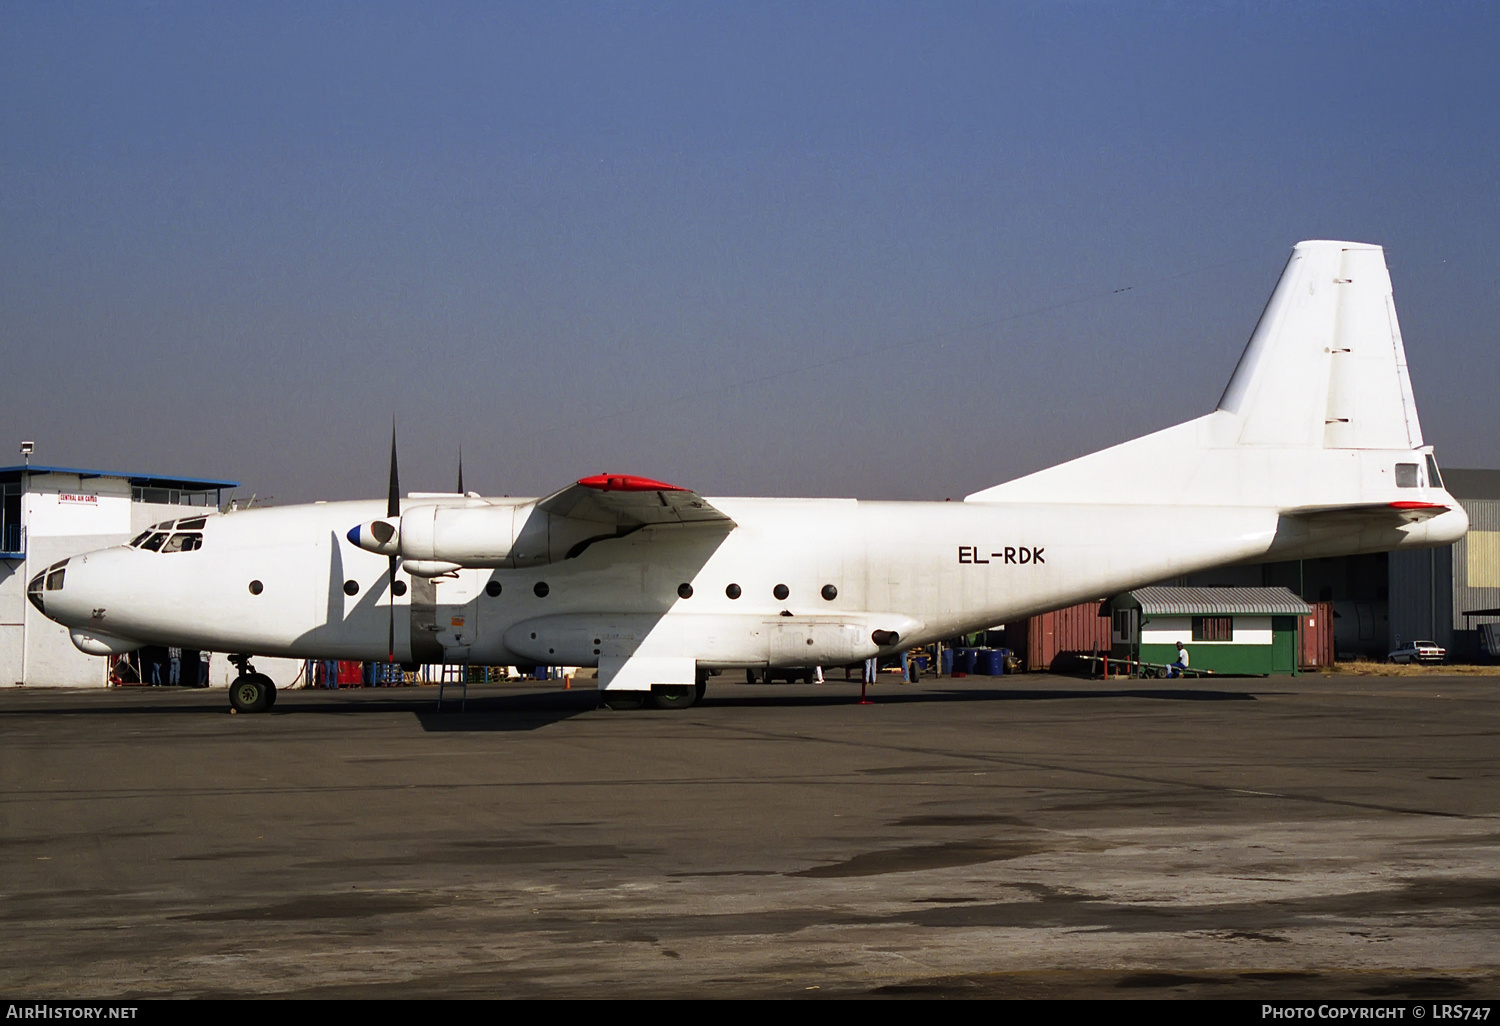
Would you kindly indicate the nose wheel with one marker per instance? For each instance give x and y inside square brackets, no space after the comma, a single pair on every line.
[251,692]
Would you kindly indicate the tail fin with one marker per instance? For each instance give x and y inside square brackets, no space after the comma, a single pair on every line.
[1319,410]
[1325,366]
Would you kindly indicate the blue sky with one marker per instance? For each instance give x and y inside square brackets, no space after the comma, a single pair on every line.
[851,249]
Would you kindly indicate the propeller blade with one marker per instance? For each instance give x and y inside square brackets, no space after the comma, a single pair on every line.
[393,497]
[393,510]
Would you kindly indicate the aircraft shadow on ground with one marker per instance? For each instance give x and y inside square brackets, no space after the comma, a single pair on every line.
[534,709]
[887,696]
[504,712]
[481,712]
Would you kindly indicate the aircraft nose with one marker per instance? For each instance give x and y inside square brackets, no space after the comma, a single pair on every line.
[58,593]
[34,592]
[47,583]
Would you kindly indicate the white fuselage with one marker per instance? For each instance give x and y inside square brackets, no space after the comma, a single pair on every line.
[920,570]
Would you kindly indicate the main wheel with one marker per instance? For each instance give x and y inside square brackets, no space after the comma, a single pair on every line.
[701,688]
[673,696]
[621,701]
[252,693]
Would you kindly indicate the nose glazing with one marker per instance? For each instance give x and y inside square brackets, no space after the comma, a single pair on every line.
[50,579]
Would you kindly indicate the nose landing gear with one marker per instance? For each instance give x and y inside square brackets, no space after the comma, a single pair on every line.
[250,692]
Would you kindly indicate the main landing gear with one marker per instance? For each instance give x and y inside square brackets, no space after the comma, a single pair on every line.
[250,692]
[661,696]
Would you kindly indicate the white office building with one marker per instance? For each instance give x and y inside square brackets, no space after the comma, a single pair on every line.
[49,513]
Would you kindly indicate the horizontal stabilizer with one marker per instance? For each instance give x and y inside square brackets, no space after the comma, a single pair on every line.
[1371,512]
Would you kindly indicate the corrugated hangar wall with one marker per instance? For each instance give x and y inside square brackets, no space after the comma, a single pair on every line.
[1421,597]
[1475,560]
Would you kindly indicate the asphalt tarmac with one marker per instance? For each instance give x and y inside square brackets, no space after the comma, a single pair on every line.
[1307,837]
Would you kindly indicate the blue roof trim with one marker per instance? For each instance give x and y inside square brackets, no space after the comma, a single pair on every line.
[142,480]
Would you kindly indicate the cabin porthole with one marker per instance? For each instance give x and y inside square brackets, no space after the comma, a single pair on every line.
[492,589]
[830,592]
[398,587]
[256,587]
[685,590]
[351,587]
[733,591]
[541,589]
[781,591]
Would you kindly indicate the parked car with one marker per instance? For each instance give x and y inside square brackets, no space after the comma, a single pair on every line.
[1419,652]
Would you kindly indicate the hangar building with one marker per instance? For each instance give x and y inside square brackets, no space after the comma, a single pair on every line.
[49,513]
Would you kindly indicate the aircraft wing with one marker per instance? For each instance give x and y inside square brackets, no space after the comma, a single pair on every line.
[623,500]
[1393,513]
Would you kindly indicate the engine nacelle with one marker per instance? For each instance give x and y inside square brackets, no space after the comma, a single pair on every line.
[492,535]
[468,536]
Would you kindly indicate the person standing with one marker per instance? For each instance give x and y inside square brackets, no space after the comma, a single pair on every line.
[203,668]
[174,675]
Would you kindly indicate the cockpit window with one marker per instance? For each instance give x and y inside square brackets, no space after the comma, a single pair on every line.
[1434,479]
[183,543]
[55,579]
[191,524]
[153,543]
[136,543]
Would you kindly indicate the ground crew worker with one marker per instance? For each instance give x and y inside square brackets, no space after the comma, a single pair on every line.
[1182,661]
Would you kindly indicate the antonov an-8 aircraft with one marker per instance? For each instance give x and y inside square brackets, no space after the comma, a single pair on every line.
[1314,450]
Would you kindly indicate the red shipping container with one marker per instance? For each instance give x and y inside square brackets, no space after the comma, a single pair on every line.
[1078,630]
[1316,633]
